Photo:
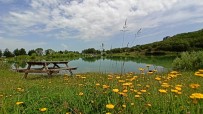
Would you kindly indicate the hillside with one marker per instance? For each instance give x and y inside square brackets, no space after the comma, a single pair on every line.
[191,41]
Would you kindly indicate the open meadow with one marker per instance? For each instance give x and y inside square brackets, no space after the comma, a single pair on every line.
[93,93]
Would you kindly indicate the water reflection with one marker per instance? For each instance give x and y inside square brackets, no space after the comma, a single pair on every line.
[113,64]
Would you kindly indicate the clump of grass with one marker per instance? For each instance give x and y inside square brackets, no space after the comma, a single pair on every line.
[131,93]
[189,61]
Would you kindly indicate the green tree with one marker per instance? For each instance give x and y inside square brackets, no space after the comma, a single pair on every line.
[16,52]
[1,53]
[49,51]
[22,51]
[39,51]
[30,52]
[7,53]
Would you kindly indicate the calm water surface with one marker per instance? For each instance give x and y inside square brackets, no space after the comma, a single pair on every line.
[118,65]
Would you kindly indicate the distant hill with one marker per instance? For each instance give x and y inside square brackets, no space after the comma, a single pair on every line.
[191,41]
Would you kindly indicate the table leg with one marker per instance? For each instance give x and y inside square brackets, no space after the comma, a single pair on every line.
[26,73]
[71,73]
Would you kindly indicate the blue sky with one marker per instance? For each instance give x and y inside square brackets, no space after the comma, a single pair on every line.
[80,24]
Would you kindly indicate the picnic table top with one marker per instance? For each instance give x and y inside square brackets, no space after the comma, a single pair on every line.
[47,62]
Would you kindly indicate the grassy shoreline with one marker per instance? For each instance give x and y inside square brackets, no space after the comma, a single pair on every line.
[100,93]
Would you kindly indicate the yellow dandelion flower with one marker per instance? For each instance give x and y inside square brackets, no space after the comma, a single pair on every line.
[108,113]
[149,105]
[194,86]
[178,88]
[200,70]
[162,91]
[97,84]
[158,78]
[179,85]
[125,91]
[83,77]
[137,96]
[147,86]
[19,103]
[174,90]
[121,81]
[124,106]
[139,93]
[105,86]
[198,74]
[143,91]
[139,85]
[179,92]
[123,94]
[141,69]
[165,85]
[118,77]
[81,93]
[196,96]
[135,91]
[115,90]
[43,109]
[127,84]
[150,72]
[110,106]
[20,89]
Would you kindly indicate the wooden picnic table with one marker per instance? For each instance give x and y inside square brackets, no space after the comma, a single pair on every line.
[48,67]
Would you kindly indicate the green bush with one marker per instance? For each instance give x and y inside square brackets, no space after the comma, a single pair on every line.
[4,65]
[188,61]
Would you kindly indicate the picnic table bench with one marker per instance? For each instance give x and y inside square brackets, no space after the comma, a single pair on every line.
[46,67]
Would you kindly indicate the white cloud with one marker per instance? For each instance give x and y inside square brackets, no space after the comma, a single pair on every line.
[93,19]
[15,43]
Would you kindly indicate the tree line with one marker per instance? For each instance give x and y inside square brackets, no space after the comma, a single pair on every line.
[37,52]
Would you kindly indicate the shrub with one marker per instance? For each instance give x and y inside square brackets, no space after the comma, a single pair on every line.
[188,61]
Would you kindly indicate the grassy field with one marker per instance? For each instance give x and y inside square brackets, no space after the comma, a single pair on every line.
[96,93]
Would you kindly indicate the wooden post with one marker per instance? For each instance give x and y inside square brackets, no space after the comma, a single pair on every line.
[26,73]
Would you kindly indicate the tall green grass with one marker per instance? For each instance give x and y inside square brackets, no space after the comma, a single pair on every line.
[89,93]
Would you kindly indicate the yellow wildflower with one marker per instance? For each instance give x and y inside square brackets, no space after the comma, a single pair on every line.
[178,88]
[174,90]
[110,106]
[118,77]
[124,106]
[43,109]
[19,103]
[143,91]
[105,86]
[127,84]
[97,84]
[125,91]
[162,91]
[194,86]
[165,85]
[108,113]
[81,93]
[198,74]
[115,90]
[121,81]
[196,96]
[137,96]
[158,78]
